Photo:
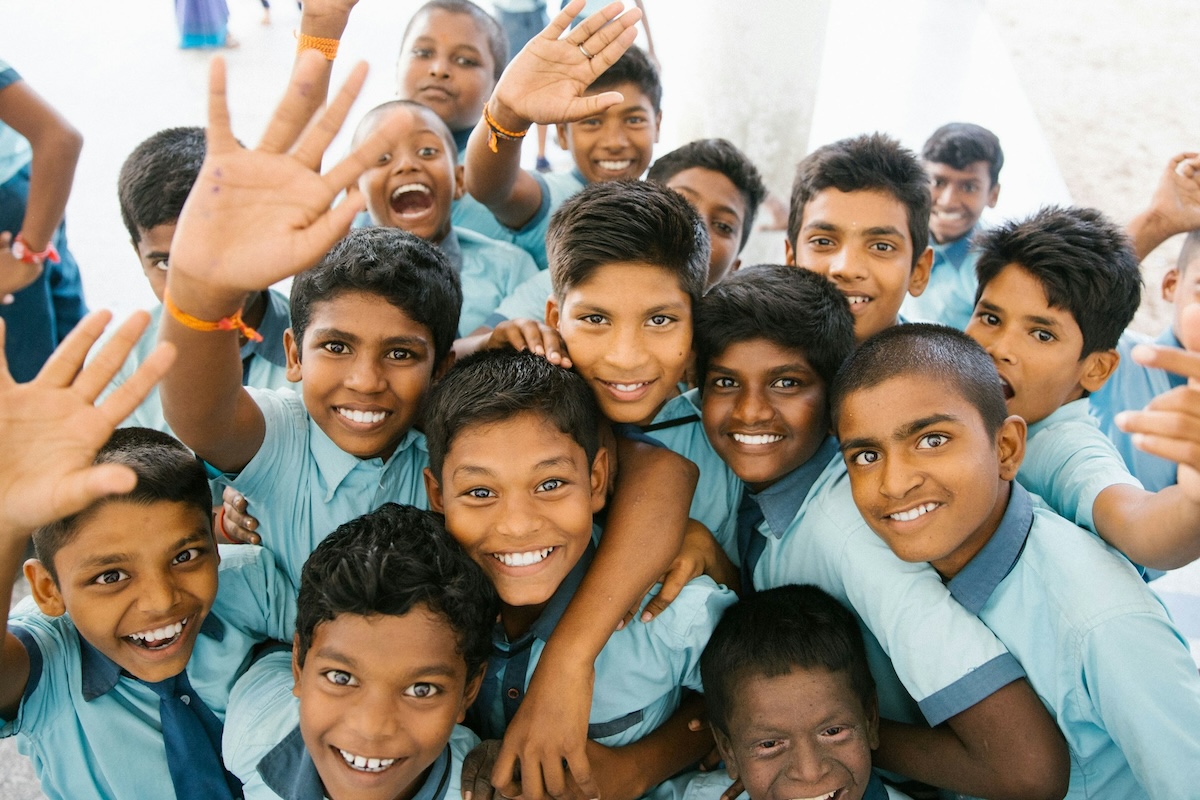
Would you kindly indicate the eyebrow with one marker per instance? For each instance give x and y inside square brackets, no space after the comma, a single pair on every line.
[901,433]
[157,254]
[557,462]
[333,654]
[337,333]
[884,230]
[109,559]
[1036,319]
[588,308]
[688,191]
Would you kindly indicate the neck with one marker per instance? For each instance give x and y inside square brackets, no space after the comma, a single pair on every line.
[954,563]
[517,620]
[253,311]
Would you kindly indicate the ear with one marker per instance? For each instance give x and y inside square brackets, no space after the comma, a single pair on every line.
[1169,283]
[993,195]
[292,348]
[560,133]
[1010,446]
[44,589]
[444,365]
[657,125]
[434,490]
[1098,367]
[471,691]
[725,747]
[296,667]
[873,724]
[599,479]
[919,278]
[460,187]
[552,312]
[789,253]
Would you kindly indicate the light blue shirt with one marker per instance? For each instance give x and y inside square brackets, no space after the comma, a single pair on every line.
[949,297]
[264,749]
[1069,462]
[1099,649]
[640,673]
[557,188]
[489,271]
[711,785]
[527,301]
[15,150]
[92,731]
[1131,388]
[301,486]
[918,638]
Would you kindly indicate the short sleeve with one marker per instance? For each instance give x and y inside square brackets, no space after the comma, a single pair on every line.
[527,300]
[261,712]
[254,595]
[285,442]
[686,625]
[48,642]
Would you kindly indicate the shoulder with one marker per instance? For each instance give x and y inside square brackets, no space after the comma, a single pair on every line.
[691,615]
[8,75]
[262,712]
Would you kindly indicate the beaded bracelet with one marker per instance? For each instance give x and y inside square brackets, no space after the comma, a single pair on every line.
[326,47]
[233,322]
[496,132]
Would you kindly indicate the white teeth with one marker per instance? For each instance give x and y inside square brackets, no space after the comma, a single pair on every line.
[362,416]
[911,514]
[855,299]
[627,387]
[364,764]
[616,166]
[522,559]
[159,634]
[819,797]
[409,187]
[762,438]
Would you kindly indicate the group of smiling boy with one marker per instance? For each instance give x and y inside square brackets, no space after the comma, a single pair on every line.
[946,494]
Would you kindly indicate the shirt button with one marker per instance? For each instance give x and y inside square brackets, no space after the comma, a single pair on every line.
[514,693]
[187,701]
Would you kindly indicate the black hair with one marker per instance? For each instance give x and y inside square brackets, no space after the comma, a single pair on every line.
[618,222]
[635,67]
[932,353]
[794,308]
[960,144]
[775,632]
[495,385]
[496,38]
[718,155]
[389,562]
[1083,261]
[410,273]
[166,472]
[440,126]
[156,177]
[869,163]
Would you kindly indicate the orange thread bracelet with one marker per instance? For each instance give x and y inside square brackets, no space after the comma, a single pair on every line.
[496,132]
[231,323]
[326,47]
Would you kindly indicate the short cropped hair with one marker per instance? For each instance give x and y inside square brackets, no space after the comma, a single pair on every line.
[795,308]
[718,155]
[618,222]
[496,39]
[166,471]
[931,353]
[495,385]
[868,163]
[156,178]
[775,632]
[635,67]
[439,125]
[389,562]
[960,144]
[410,273]
[1084,262]
[1189,252]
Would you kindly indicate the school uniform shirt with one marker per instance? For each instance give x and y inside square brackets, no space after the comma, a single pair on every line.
[527,301]
[557,187]
[301,486]
[1069,461]
[1099,649]
[949,297]
[1131,388]
[711,785]
[489,272]
[920,642]
[264,749]
[640,673]
[92,730]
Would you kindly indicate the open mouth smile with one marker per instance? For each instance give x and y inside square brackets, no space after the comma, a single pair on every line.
[525,559]
[158,638]
[364,763]
[913,513]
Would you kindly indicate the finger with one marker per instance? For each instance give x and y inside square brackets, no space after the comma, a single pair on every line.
[711,761]
[581,771]
[609,43]
[733,791]
[504,770]
[108,360]
[1174,418]
[79,490]
[672,586]
[1178,451]
[64,363]
[7,300]
[553,778]
[596,22]
[130,394]
[317,137]
[6,378]
[232,498]
[556,348]
[562,20]
[219,134]
[365,155]
[1172,359]
[294,111]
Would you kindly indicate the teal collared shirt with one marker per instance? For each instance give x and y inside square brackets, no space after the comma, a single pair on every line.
[711,785]
[489,271]
[949,297]
[527,301]
[1098,648]
[556,187]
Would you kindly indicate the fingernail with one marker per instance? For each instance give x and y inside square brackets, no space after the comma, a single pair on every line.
[620,624]
[467,795]
[647,616]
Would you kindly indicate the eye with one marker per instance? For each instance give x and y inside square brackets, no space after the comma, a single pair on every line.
[422,52]
[337,348]
[636,119]
[864,458]
[724,383]
[160,264]
[191,554]
[883,247]
[479,493]
[422,690]
[659,320]
[340,678]
[724,228]
[593,319]
[768,746]
[590,122]
[821,241]
[400,354]
[428,152]
[988,318]
[835,732]
[931,440]
[970,188]
[786,383]
[383,158]
[110,577]
[1043,335]
[551,485]
[465,61]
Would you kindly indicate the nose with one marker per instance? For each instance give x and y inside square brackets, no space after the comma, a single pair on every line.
[996,341]
[626,351]
[614,136]
[807,765]
[946,196]
[439,66]
[846,265]
[751,407]
[373,716]
[158,592]
[518,520]
[365,376]
[898,477]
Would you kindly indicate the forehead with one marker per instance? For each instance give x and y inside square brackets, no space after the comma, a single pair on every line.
[451,28]
[156,239]
[803,697]
[490,445]
[700,184]
[975,171]
[367,315]
[861,210]
[412,120]
[759,355]
[634,97]
[1017,290]
[431,643]
[133,531]
[902,399]
[629,285]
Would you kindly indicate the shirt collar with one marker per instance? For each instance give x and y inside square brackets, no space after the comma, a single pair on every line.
[875,788]
[955,252]
[335,464]
[974,584]
[546,622]
[452,249]
[99,673]
[1074,410]
[782,500]
[275,321]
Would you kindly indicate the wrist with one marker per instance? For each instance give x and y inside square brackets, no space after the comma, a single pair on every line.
[25,251]
[505,117]
[325,26]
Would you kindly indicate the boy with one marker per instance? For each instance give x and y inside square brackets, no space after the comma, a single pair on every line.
[791,700]
[128,644]
[1055,292]
[769,341]
[413,188]
[347,709]
[963,161]
[860,216]
[525,516]
[932,456]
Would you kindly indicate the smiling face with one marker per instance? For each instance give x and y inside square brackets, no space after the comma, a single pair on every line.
[379,697]
[523,513]
[445,64]
[860,241]
[628,328]
[366,366]
[723,208]
[959,197]
[764,410]
[138,581]
[1036,346]
[618,143]
[801,734]
[925,473]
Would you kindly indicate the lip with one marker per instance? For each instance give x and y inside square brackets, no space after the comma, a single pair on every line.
[411,217]
[1006,387]
[512,562]
[922,510]
[627,391]
[167,650]
[739,439]
[859,306]
[361,425]
[835,794]
[613,166]
[436,91]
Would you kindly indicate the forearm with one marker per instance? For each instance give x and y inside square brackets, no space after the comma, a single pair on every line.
[496,179]
[629,772]
[52,172]
[323,24]
[1160,530]
[1147,231]
[14,663]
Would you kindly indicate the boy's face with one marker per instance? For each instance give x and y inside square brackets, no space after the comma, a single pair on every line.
[154,248]
[1179,287]
[375,715]
[366,366]
[959,197]
[523,513]
[414,184]
[618,143]
[138,581]
[801,734]
[446,65]
[628,328]
[764,410]
[1036,346]
[860,241]
[925,474]
[723,209]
